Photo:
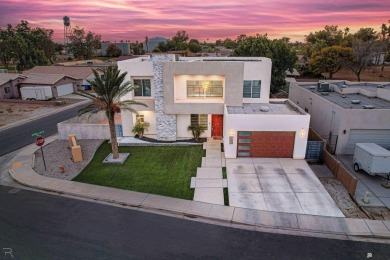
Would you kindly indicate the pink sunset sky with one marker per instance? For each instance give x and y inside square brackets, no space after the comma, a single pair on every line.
[214,19]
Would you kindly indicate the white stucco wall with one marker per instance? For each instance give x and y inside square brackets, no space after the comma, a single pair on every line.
[129,119]
[259,71]
[260,122]
[183,121]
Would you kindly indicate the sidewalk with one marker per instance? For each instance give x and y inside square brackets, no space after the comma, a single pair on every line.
[307,225]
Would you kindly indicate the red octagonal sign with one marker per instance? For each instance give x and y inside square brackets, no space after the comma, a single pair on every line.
[39,141]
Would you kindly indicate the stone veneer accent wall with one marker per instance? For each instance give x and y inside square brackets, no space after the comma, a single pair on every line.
[165,124]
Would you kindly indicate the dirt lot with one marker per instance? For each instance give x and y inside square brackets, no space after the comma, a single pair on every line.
[13,112]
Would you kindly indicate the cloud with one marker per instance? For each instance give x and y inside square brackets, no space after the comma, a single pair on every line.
[133,20]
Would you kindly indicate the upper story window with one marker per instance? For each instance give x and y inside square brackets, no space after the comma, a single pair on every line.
[140,118]
[204,88]
[144,88]
[7,90]
[252,88]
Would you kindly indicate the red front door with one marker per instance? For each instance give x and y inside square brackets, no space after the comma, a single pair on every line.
[217,125]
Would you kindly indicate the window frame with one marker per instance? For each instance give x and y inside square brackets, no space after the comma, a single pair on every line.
[253,89]
[202,120]
[213,90]
[7,90]
[141,88]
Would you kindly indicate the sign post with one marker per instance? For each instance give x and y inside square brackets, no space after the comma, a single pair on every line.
[39,141]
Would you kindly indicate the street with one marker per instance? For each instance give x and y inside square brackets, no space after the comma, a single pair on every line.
[20,136]
[42,226]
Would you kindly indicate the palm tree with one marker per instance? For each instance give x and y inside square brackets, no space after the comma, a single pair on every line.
[108,91]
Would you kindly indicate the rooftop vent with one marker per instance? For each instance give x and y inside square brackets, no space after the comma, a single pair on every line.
[264,108]
[323,87]
[380,86]
[325,93]
[344,86]
[343,96]
[312,87]
[355,101]
[368,107]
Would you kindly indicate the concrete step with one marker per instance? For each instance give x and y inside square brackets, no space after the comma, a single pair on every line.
[211,162]
[209,195]
[213,154]
[209,173]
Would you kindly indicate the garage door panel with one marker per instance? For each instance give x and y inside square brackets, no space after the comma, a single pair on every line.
[269,144]
[378,136]
[65,89]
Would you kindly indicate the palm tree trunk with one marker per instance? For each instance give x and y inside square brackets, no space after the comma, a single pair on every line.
[114,143]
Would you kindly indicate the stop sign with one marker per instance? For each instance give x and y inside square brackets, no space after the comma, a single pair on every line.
[39,141]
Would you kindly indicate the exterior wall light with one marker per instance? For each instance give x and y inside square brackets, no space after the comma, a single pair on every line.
[302,133]
[231,136]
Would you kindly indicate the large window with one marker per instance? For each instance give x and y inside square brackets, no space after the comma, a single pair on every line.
[204,88]
[201,120]
[252,88]
[144,88]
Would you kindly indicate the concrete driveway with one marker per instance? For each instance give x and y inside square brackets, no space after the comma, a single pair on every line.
[281,185]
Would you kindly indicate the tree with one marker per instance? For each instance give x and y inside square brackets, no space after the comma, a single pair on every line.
[83,45]
[26,46]
[113,51]
[194,46]
[331,59]
[282,56]
[327,37]
[366,34]
[363,53]
[385,38]
[107,99]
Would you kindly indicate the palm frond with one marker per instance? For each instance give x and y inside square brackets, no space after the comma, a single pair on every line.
[92,108]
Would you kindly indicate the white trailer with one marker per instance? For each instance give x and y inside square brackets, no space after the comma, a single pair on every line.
[371,158]
[36,93]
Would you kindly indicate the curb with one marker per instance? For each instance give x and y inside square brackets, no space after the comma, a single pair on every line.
[21,122]
[308,225]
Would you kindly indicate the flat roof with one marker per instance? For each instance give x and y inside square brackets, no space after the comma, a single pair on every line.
[280,108]
[344,100]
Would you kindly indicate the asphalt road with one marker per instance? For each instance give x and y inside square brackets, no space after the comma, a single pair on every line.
[35,225]
[19,136]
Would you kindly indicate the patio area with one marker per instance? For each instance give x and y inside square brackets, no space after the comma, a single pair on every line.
[280,185]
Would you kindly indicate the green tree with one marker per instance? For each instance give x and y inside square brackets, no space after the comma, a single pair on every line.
[113,51]
[26,46]
[194,46]
[83,45]
[385,39]
[282,56]
[107,99]
[366,34]
[331,60]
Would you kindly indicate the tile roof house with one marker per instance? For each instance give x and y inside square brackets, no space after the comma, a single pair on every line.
[9,85]
[80,73]
[228,96]
[346,113]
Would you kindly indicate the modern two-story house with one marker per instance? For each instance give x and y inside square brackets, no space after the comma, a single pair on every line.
[229,96]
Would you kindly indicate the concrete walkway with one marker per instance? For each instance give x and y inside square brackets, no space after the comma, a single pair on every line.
[209,182]
[288,223]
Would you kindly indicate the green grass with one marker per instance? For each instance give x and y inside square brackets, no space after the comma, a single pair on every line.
[164,170]
[225,190]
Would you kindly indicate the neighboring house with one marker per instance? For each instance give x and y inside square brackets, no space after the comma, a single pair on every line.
[346,112]
[303,62]
[124,46]
[9,85]
[153,43]
[292,74]
[228,96]
[80,73]
[60,84]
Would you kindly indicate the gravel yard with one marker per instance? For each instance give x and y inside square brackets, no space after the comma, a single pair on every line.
[339,194]
[57,153]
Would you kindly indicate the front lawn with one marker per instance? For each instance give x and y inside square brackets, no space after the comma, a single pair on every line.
[163,170]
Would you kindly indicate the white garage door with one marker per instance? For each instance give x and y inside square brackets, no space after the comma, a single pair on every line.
[65,89]
[380,137]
